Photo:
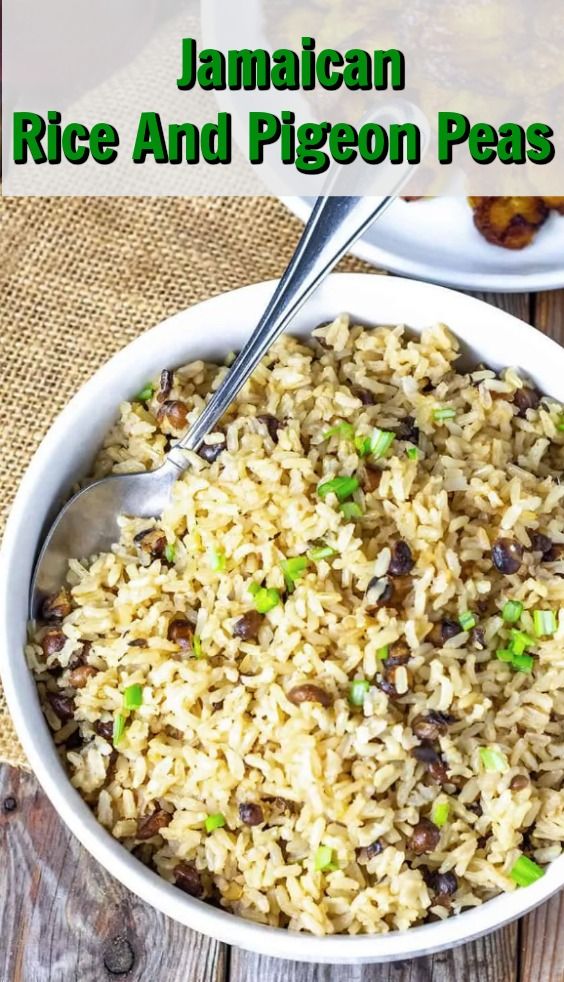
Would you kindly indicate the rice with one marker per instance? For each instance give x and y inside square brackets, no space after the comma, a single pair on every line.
[338,785]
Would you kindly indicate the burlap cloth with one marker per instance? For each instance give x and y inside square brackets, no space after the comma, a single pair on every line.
[80,278]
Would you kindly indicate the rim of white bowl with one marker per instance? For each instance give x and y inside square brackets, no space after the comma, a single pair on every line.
[219,924]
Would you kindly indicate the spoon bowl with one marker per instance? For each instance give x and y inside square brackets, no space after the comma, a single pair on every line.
[89,523]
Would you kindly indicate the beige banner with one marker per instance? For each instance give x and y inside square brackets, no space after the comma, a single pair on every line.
[470,88]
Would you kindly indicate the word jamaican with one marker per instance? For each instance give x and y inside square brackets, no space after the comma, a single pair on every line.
[285,69]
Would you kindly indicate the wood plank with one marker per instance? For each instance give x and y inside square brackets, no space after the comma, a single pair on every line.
[64,917]
[491,959]
[549,314]
[541,951]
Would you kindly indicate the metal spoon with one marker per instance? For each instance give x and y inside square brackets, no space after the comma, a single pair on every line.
[88,524]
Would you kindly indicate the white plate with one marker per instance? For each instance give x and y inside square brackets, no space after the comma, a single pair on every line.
[436,240]
[209,330]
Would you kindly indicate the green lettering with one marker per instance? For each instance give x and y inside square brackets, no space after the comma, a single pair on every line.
[264,129]
[405,143]
[73,152]
[453,129]
[54,139]
[373,143]
[187,78]
[511,145]
[542,149]
[342,143]
[389,69]
[287,137]
[183,143]
[216,140]
[248,69]
[29,130]
[482,143]
[150,140]
[358,70]
[308,63]
[211,73]
[326,78]
[310,159]
[103,141]
[285,70]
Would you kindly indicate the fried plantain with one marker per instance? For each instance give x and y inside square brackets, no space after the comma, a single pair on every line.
[510,222]
[555,203]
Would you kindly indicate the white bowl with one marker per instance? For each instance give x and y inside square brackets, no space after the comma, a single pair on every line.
[209,330]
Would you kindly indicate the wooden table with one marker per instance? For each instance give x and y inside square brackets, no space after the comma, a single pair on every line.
[64,918]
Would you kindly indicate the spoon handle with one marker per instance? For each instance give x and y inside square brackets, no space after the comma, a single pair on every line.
[334,225]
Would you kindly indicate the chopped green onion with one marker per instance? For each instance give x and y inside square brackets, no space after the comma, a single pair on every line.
[170,553]
[323,861]
[358,691]
[343,487]
[350,509]
[467,621]
[119,728]
[525,871]
[266,598]
[133,697]
[214,822]
[254,589]
[380,442]
[544,623]
[363,445]
[197,646]
[383,652]
[516,658]
[217,561]
[517,647]
[512,611]
[413,453]
[293,569]
[341,429]
[560,424]
[520,641]
[439,814]
[321,552]
[493,760]
[145,394]
[523,663]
